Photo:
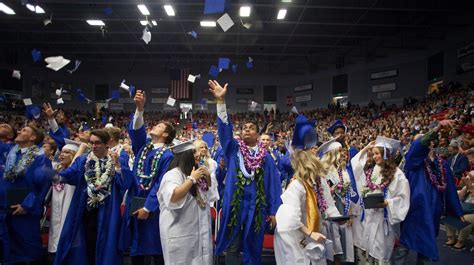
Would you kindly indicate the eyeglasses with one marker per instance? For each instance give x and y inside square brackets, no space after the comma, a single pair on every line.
[96,142]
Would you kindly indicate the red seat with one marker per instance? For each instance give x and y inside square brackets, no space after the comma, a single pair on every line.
[122,209]
[268,241]
[213,213]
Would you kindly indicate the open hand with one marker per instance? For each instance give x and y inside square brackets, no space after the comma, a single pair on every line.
[141,214]
[18,210]
[48,110]
[217,90]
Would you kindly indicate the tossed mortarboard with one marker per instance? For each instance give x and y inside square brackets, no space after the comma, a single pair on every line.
[76,66]
[224,63]
[193,34]
[129,88]
[329,146]
[304,135]
[36,55]
[335,125]
[115,94]
[216,6]
[16,74]
[225,22]
[213,71]
[71,145]
[146,36]
[234,68]
[209,138]
[48,21]
[56,62]
[108,11]
[191,78]
[32,112]
[249,63]
[182,147]
[170,101]
[389,145]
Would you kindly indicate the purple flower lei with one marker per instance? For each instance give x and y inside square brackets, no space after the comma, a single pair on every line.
[202,183]
[252,163]
[372,186]
[318,189]
[439,182]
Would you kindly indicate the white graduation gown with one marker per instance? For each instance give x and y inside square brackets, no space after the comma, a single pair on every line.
[60,201]
[185,228]
[379,239]
[291,215]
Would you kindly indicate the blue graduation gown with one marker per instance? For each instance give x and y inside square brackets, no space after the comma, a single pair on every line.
[4,149]
[286,171]
[421,225]
[143,236]
[20,236]
[252,242]
[72,246]
[58,136]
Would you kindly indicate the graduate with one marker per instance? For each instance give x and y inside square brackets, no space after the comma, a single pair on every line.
[381,225]
[306,201]
[338,130]
[205,160]
[339,181]
[20,238]
[185,218]
[57,130]
[433,194]
[215,154]
[252,188]
[140,233]
[90,234]
[61,195]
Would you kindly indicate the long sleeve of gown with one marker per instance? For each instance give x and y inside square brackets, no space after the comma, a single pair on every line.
[288,216]
[171,180]
[33,201]
[137,132]
[358,163]
[272,196]
[416,156]
[224,129]
[73,174]
[399,201]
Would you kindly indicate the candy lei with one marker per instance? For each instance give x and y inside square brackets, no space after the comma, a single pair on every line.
[98,183]
[13,168]
[147,180]
[318,189]
[438,179]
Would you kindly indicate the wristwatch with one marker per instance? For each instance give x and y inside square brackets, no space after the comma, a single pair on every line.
[192,179]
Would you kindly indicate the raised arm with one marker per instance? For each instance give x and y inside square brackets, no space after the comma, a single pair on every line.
[136,129]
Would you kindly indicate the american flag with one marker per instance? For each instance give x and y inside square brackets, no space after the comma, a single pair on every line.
[179,85]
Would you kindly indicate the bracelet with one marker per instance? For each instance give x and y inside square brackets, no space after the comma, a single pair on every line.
[310,233]
[192,179]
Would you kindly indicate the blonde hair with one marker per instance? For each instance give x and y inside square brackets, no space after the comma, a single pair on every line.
[197,146]
[307,166]
[334,158]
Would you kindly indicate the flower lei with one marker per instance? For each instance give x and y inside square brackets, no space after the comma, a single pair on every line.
[256,161]
[318,189]
[342,186]
[370,184]
[98,183]
[240,184]
[438,179]
[58,186]
[202,183]
[13,168]
[147,180]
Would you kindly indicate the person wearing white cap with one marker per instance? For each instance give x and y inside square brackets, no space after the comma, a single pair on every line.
[299,238]
[334,160]
[185,221]
[61,195]
[381,224]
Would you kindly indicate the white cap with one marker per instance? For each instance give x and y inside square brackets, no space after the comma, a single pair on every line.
[330,145]
[388,144]
[109,125]
[56,62]
[185,146]
[71,145]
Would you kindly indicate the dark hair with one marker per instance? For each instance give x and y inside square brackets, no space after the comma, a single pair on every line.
[102,134]
[38,133]
[171,131]
[252,121]
[184,161]
[52,146]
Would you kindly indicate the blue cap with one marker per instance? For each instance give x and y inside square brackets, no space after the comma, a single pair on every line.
[104,119]
[32,112]
[216,6]
[131,91]
[193,34]
[304,136]
[234,68]
[203,101]
[115,94]
[249,65]
[209,138]
[335,125]
[213,71]
[36,55]
[84,127]
[108,11]
[223,63]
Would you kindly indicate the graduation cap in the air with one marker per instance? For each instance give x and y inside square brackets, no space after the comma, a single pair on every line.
[209,138]
[304,135]
[225,22]
[213,71]
[36,55]
[32,112]
[56,62]
[182,147]
[234,68]
[250,63]
[193,34]
[108,11]
[216,6]
[335,125]
[329,146]
[115,94]
[129,88]
[223,63]
[390,146]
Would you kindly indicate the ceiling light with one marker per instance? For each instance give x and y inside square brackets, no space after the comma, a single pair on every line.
[208,23]
[144,10]
[146,22]
[30,7]
[95,22]
[169,10]
[5,9]
[245,11]
[281,14]
[39,10]
[286,1]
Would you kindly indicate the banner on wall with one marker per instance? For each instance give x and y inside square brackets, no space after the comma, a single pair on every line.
[304,98]
[384,87]
[466,50]
[158,100]
[125,100]
[384,95]
[465,67]
[384,74]
[244,91]
[302,88]
[115,106]
[160,90]
[242,101]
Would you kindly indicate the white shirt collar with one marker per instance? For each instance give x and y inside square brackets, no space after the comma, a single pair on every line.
[158,145]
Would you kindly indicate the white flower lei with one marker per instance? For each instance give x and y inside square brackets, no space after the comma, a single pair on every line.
[98,183]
